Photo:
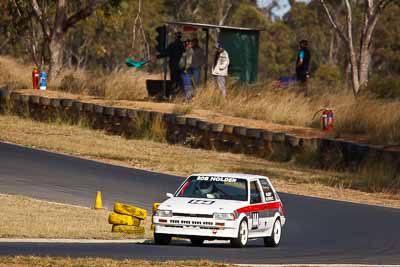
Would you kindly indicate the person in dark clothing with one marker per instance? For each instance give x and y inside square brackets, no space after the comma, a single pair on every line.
[174,52]
[302,65]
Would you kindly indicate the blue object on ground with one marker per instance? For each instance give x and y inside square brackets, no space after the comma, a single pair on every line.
[43,80]
[135,64]
[284,81]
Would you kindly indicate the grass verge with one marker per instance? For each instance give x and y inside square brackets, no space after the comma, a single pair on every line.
[24,217]
[366,118]
[31,261]
[179,160]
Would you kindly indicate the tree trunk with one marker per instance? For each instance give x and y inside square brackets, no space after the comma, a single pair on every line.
[359,63]
[364,65]
[354,72]
[331,47]
[56,55]
[347,72]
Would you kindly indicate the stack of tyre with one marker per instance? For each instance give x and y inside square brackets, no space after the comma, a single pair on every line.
[155,208]
[127,219]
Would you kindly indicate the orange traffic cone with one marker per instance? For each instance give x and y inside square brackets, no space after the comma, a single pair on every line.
[99,203]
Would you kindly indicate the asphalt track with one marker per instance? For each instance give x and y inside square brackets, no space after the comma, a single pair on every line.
[317,230]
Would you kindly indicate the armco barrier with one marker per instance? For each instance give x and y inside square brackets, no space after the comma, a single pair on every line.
[197,133]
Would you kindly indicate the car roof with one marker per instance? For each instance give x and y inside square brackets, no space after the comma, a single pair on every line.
[230,175]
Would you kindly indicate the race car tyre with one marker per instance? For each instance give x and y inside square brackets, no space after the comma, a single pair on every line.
[115,218]
[130,210]
[197,241]
[134,230]
[275,238]
[243,236]
[162,239]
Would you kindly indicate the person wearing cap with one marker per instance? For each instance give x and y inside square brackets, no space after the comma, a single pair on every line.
[220,67]
[174,52]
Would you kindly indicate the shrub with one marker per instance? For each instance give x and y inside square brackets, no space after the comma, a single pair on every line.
[385,87]
[329,74]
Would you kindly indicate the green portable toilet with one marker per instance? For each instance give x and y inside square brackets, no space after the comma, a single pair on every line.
[242,47]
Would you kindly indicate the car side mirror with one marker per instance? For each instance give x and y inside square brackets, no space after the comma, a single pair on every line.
[169,195]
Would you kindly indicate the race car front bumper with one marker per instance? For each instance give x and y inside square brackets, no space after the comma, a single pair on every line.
[208,228]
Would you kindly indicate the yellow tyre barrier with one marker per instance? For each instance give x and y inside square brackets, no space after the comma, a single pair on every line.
[130,210]
[155,207]
[115,218]
[128,229]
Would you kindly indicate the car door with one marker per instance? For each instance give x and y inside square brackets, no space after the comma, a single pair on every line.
[269,197]
[256,199]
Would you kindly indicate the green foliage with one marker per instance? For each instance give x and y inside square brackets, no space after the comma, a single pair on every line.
[329,74]
[102,41]
[385,87]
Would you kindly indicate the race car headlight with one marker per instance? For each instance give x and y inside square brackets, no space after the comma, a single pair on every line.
[224,216]
[163,213]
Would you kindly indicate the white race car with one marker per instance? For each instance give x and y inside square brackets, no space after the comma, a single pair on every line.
[209,206]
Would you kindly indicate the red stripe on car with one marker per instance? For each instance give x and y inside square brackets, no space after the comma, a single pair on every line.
[260,207]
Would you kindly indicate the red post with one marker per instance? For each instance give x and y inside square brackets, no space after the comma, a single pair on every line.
[35,78]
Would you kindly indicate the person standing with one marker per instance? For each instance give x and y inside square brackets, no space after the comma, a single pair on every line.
[302,65]
[186,73]
[174,52]
[220,67]
[198,61]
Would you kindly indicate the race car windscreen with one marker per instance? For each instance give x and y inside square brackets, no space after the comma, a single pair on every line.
[214,188]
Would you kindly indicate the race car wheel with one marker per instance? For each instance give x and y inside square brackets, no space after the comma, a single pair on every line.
[243,236]
[197,241]
[162,239]
[275,238]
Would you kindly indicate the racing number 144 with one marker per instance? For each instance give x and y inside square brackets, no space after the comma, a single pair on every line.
[255,220]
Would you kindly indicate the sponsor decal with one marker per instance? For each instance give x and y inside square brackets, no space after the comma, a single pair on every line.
[255,220]
[217,179]
[201,202]
[259,207]
[269,196]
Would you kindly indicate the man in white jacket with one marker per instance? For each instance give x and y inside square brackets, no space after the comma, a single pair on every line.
[220,67]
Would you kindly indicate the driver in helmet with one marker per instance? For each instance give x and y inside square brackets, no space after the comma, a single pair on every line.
[207,189]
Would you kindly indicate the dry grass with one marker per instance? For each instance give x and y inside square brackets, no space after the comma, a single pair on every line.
[369,119]
[376,121]
[179,160]
[15,75]
[126,84]
[147,129]
[32,261]
[23,217]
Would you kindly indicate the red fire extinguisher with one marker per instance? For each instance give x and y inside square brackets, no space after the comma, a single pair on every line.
[35,78]
[327,119]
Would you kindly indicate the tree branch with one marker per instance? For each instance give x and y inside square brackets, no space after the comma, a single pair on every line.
[42,20]
[383,3]
[222,21]
[333,21]
[81,14]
